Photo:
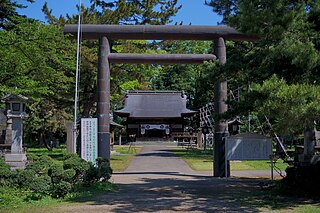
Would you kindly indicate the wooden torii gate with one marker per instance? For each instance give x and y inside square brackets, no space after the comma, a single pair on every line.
[104,33]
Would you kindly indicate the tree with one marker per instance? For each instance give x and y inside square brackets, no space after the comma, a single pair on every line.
[292,107]
[9,16]
[288,32]
[37,61]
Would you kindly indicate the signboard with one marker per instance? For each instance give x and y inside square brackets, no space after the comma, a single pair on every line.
[248,146]
[89,139]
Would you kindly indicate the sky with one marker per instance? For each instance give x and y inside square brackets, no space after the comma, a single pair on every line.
[192,11]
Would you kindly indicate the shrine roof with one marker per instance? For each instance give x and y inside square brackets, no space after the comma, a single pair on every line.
[155,104]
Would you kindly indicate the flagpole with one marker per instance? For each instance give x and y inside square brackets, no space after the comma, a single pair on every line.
[77,79]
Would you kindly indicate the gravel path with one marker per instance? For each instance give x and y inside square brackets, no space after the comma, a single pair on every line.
[158,181]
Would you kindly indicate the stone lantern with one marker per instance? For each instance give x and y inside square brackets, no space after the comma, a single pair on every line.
[15,112]
[205,130]
[234,126]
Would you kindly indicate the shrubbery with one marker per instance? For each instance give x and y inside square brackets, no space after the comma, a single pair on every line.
[303,180]
[46,176]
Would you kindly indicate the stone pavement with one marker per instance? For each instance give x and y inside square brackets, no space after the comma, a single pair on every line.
[158,181]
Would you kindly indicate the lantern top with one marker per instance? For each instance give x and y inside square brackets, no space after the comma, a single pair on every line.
[235,122]
[14,98]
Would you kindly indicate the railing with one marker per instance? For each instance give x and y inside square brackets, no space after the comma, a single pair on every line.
[184,138]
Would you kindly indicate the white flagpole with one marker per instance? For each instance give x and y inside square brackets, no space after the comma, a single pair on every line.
[77,79]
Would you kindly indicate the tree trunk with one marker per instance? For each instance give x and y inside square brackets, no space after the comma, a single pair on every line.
[43,141]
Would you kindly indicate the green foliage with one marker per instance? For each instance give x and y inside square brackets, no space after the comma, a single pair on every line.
[292,107]
[4,169]
[9,16]
[288,39]
[102,172]
[104,169]
[45,176]
[61,189]
[37,61]
[56,172]
[41,184]
[80,166]
[25,178]
[6,174]
[41,165]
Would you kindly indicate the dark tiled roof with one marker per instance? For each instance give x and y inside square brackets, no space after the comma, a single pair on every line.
[155,104]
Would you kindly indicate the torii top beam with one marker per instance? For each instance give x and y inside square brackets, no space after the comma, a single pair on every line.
[157,32]
[120,58]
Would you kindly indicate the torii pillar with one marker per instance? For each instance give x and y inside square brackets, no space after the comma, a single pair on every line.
[220,107]
[103,107]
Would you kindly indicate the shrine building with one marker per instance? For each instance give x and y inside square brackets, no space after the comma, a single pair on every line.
[154,114]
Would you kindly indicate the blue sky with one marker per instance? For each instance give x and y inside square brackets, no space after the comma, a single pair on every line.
[192,11]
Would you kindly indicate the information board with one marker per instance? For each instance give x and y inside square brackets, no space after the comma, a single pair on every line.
[89,139]
[248,147]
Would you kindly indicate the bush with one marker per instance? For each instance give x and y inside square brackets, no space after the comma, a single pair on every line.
[61,189]
[105,171]
[41,165]
[41,184]
[25,178]
[102,172]
[91,176]
[32,157]
[46,176]
[68,175]
[73,161]
[6,175]
[303,180]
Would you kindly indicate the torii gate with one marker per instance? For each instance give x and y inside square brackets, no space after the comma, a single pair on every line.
[104,33]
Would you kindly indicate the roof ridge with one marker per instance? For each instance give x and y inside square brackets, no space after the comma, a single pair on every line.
[155,91]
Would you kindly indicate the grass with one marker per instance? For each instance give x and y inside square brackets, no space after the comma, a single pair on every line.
[204,161]
[13,200]
[121,162]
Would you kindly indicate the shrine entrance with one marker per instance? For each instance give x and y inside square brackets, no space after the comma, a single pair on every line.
[104,33]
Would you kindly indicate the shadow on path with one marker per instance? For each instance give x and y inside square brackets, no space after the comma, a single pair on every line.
[197,194]
[158,181]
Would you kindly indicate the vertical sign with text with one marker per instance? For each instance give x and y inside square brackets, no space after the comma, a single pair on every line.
[89,139]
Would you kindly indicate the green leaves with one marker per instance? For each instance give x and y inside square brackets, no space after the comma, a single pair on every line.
[34,60]
[288,32]
[292,106]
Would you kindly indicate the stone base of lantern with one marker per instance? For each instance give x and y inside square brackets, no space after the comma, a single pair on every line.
[16,161]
